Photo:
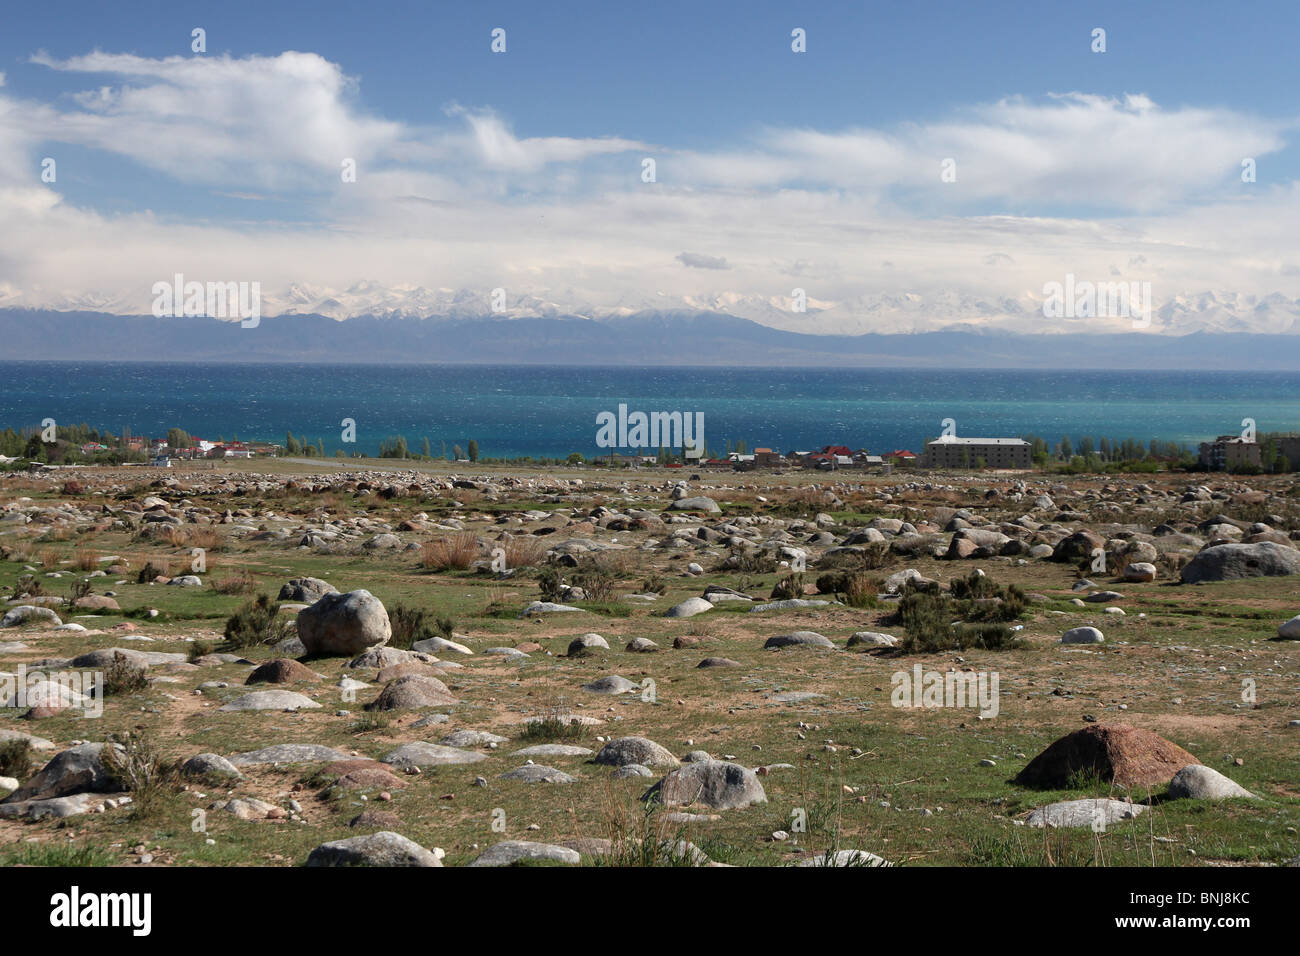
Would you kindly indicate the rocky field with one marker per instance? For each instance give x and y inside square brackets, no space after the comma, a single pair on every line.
[305,664]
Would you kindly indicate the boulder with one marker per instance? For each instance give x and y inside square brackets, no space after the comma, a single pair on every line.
[634,750]
[1197,782]
[1290,630]
[78,769]
[509,852]
[31,614]
[1140,572]
[587,642]
[378,849]
[700,503]
[306,590]
[1117,753]
[413,691]
[1094,813]
[282,670]
[711,783]
[613,684]
[689,608]
[271,700]
[342,625]
[1228,561]
[798,639]
[537,773]
[1083,635]
[420,754]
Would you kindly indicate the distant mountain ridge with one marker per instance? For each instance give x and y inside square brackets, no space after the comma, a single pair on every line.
[648,338]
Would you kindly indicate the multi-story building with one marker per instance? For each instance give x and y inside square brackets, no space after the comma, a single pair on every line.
[953,452]
[1229,451]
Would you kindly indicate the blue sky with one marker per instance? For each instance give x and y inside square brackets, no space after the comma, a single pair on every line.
[545,142]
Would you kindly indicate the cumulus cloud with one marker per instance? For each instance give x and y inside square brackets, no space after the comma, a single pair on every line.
[1070,183]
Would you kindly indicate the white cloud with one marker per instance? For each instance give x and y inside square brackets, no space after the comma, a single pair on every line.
[851,213]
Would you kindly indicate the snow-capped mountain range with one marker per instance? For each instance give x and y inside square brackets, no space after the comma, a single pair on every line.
[879,313]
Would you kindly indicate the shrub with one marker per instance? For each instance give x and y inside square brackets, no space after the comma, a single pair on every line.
[200,648]
[147,574]
[550,581]
[790,586]
[72,489]
[80,589]
[935,621]
[654,584]
[596,578]
[409,625]
[28,586]
[257,622]
[15,759]
[123,677]
[140,770]
[85,559]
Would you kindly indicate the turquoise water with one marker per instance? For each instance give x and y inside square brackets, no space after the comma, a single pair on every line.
[517,411]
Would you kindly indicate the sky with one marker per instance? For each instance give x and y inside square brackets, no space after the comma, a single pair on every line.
[952,154]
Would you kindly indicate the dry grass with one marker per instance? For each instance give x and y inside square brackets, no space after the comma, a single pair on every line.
[48,558]
[456,553]
[85,559]
[195,536]
[241,582]
[523,552]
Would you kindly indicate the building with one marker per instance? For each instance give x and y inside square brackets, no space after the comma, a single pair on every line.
[767,458]
[901,456]
[953,452]
[1228,452]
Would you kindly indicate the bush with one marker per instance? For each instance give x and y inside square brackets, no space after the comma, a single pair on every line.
[80,589]
[257,622]
[550,581]
[409,625]
[654,584]
[788,587]
[935,621]
[15,759]
[124,677]
[147,574]
[140,770]
[28,586]
[596,579]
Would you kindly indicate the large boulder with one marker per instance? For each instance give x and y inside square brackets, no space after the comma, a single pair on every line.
[412,691]
[1096,813]
[799,639]
[695,504]
[1198,782]
[689,608]
[29,614]
[509,852]
[1077,546]
[342,625]
[1116,753]
[378,849]
[78,769]
[635,750]
[306,590]
[1227,561]
[710,783]
[1290,630]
